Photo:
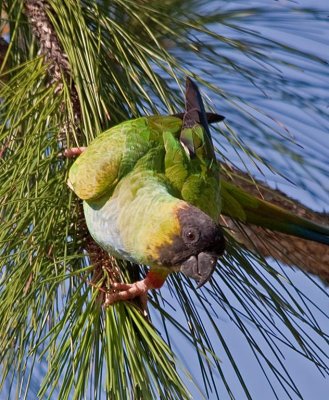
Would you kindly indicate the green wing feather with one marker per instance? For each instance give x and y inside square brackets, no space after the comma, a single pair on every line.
[152,143]
[114,153]
[177,166]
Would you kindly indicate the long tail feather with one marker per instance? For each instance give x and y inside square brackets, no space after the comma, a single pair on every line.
[195,115]
[262,213]
[194,108]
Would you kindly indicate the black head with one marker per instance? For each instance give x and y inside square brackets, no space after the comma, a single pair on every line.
[197,246]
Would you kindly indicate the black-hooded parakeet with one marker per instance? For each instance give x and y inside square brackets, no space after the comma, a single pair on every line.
[151,195]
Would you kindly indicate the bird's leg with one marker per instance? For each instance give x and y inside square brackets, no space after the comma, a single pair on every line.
[129,291]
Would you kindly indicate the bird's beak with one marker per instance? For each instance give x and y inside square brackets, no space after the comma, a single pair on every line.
[199,267]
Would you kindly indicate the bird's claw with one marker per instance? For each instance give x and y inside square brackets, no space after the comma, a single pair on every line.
[128,291]
[73,152]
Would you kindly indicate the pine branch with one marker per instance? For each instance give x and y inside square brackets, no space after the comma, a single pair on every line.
[58,65]
[49,45]
[309,256]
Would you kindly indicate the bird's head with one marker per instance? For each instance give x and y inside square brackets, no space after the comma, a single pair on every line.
[195,247]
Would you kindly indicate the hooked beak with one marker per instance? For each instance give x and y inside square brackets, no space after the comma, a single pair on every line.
[199,267]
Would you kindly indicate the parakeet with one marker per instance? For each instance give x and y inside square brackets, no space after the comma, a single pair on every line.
[151,195]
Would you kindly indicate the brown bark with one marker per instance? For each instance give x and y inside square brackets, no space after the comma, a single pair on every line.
[51,49]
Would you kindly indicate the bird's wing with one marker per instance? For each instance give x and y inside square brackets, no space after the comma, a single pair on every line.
[114,153]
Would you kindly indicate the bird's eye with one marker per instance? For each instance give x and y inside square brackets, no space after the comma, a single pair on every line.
[191,235]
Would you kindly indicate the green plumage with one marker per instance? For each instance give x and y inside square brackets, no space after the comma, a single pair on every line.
[136,178]
[148,152]
[150,144]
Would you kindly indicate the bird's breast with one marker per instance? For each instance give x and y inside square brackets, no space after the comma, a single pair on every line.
[136,220]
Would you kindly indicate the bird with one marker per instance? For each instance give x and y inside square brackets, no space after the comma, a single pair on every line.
[151,195]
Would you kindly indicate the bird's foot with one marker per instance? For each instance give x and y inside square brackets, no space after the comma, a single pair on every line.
[73,152]
[129,291]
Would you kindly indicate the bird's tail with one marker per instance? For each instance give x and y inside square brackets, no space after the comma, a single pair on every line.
[197,140]
[247,208]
